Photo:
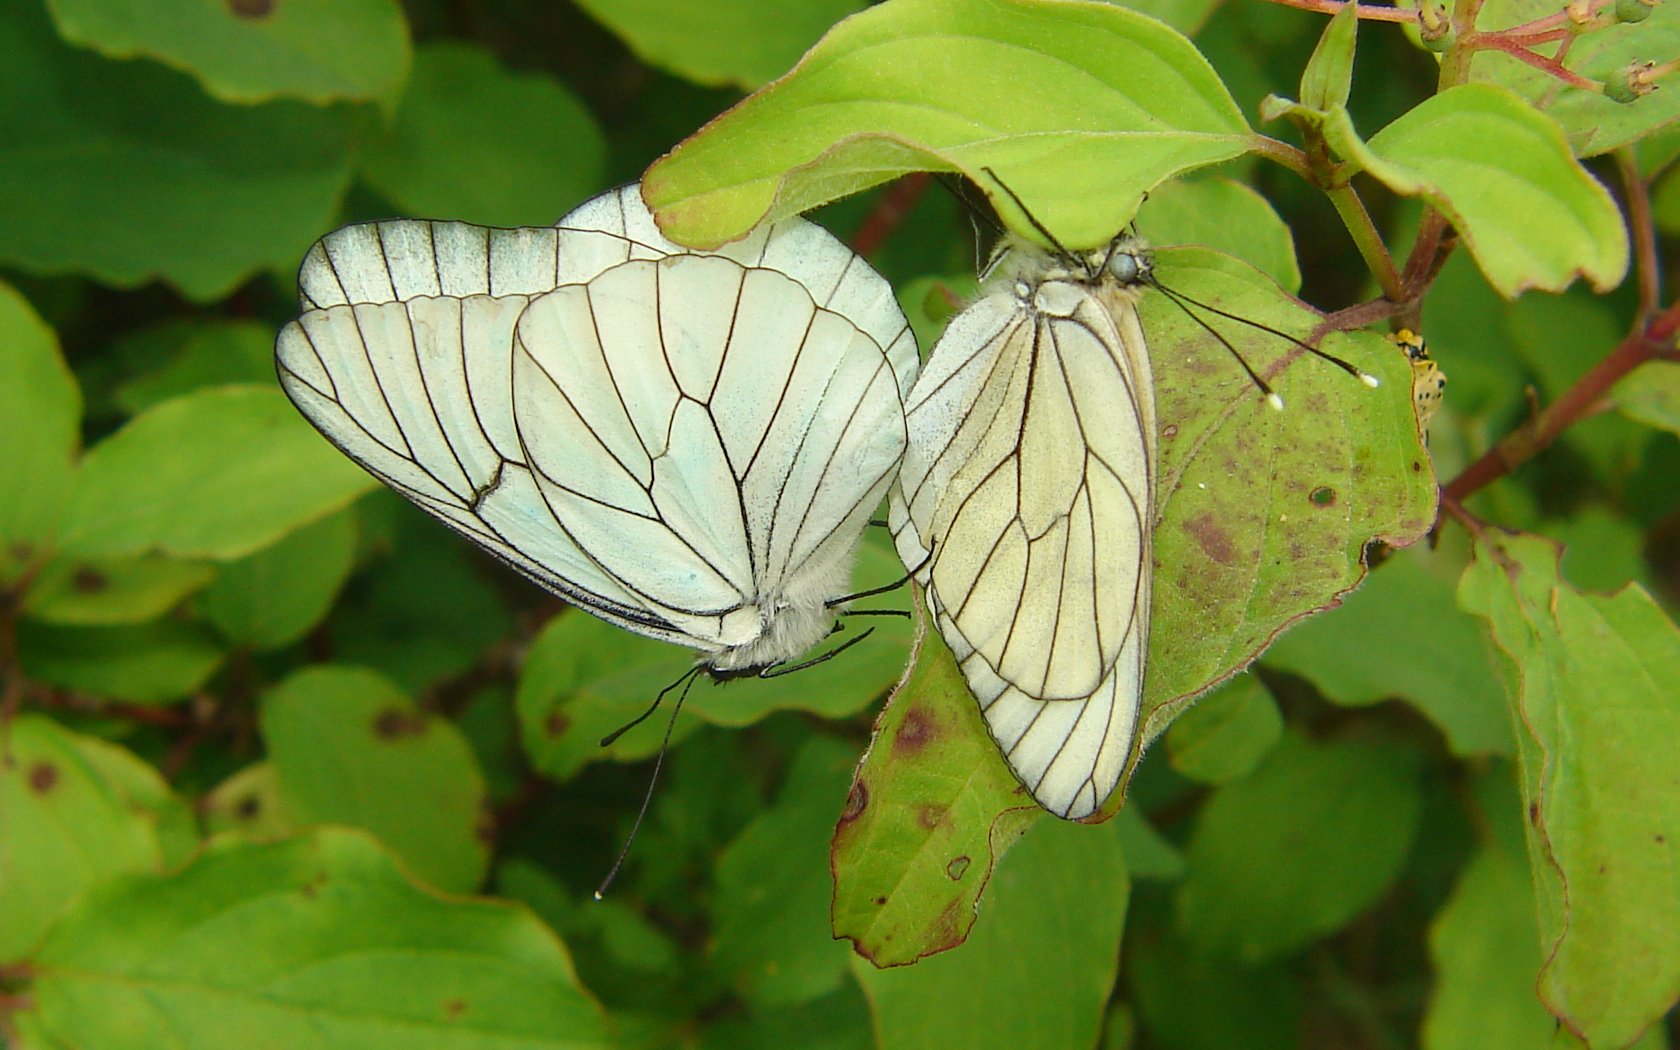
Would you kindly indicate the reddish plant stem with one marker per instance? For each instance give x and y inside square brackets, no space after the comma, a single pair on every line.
[1647,265]
[890,209]
[1551,66]
[1652,343]
[1366,13]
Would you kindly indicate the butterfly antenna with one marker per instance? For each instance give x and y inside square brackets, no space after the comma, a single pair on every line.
[658,762]
[883,589]
[774,671]
[1266,390]
[1021,204]
[1347,366]
[688,676]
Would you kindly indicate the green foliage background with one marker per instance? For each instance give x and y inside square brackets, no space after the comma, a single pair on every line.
[280,755]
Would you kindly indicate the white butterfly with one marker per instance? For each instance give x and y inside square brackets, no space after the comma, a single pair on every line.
[1027,496]
[687,444]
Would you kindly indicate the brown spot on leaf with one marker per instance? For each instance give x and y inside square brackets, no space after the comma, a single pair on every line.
[1659,840]
[252,9]
[914,733]
[1323,496]
[1170,431]
[555,724]
[957,868]
[248,807]
[42,777]
[89,580]
[1534,813]
[454,1008]
[1209,535]
[394,723]
[857,800]
[880,902]
[930,815]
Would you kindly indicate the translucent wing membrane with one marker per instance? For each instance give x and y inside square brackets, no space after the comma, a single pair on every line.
[1028,492]
[687,444]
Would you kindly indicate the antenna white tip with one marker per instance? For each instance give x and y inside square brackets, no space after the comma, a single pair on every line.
[598,896]
[1369,380]
[1274,400]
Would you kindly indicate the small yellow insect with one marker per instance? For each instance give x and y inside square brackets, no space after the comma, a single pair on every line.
[1429,383]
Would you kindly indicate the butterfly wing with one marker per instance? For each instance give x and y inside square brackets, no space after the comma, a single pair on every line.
[648,432]
[1029,478]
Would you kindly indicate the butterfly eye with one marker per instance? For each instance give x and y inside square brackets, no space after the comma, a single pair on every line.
[1125,267]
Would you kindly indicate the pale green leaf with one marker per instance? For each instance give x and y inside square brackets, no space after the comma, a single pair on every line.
[1079,108]
[1040,967]
[217,474]
[1484,944]
[771,936]
[157,662]
[1401,634]
[1598,694]
[722,42]
[95,591]
[1493,166]
[255,50]
[1225,734]
[932,809]
[1226,216]
[475,141]
[275,596]
[1651,392]
[353,957]
[1298,849]
[40,431]
[201,354]
[1328,77]
[349,748]
[67,826]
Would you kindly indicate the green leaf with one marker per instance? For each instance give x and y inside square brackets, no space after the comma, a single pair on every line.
[1080,109]
[69,825]
[249,803]
[216,474]
[1328,78]
[1037,972]
[349,748]
[150,663]
[207,353]
[353,957]
[105,591]
[1226,216]
[1225,734]
[1148,854]
[723,42]
[430,610]
[1190,1001]
[1483,942]
[275,596]
[1493,166]
[1264,516]
[1299,848]
[1594,123]
[1598,695]
[125,170]
[931,811]
[1651,393]
[476,142]
[254,50]
[1401,634]
[771,936]
[584,678]
[40,431]
[1601,548]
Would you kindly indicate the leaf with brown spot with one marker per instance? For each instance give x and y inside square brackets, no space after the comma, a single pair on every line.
[895,895]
